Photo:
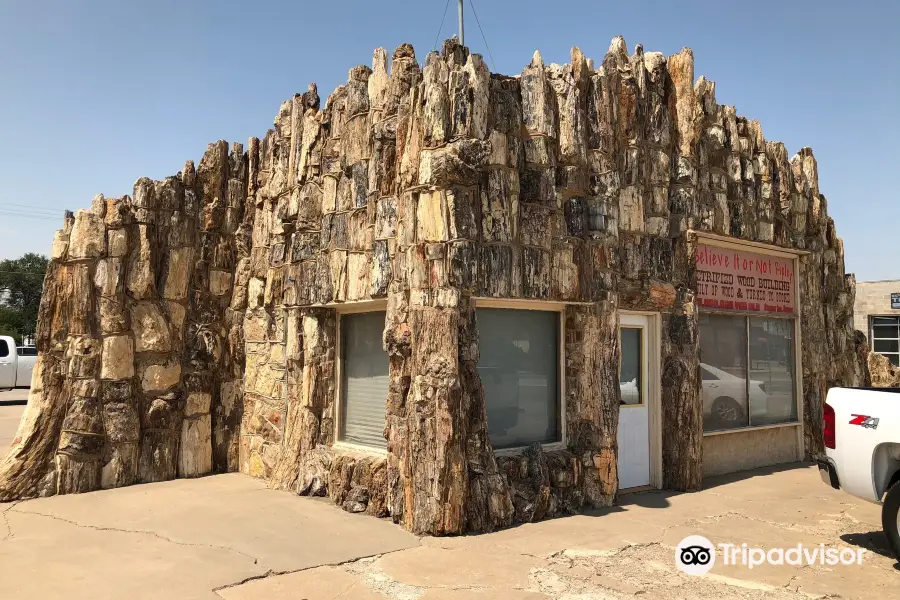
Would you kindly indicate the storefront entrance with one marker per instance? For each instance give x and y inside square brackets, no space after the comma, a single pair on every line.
[634,462]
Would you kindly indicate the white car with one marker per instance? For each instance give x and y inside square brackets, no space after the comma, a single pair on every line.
[723,394]
[862,450]
[720,392]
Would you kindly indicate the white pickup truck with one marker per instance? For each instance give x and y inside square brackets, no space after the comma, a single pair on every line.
[862,450]
[16,364]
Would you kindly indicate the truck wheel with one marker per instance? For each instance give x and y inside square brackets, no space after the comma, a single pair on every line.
[890,518]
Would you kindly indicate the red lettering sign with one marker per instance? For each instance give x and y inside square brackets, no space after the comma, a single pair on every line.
[745,281]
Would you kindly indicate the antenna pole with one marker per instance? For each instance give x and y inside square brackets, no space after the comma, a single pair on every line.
[462,31]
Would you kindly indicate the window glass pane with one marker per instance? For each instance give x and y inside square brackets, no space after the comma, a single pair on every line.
[4,348]
[364,379]
[894,358]
[884,332]
[519,367]
[723,352]
[885,346]
[706,375]
[630,376]
[772,398]
[895,321]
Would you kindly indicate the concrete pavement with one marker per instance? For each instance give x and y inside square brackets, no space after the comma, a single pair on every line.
[229,537]
[12,405]
[178,539]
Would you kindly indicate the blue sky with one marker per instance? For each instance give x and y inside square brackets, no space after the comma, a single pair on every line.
[96,94]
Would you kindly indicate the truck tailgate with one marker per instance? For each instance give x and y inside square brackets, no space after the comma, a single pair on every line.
[865,419]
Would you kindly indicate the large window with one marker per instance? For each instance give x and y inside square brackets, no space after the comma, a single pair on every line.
[364,380]
[886,338]
[4,349]
[519,369]
[746,371]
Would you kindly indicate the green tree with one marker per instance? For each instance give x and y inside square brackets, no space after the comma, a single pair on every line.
[21,283]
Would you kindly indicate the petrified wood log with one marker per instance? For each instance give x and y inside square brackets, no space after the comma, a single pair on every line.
[646,294]
[682,407]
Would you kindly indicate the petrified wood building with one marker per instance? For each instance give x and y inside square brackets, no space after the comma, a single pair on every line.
[457,298]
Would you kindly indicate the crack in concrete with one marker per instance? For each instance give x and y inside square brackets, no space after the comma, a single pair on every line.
[380,582]
[344,593]
[269,573]
[274,573]
[137,531]
[9,531]
[613,556]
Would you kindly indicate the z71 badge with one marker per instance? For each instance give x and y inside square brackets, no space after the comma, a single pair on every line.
[864,421]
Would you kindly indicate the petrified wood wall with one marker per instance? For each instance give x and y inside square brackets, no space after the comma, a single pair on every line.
[425,188]
[139,365]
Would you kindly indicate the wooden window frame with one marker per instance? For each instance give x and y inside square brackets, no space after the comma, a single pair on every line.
[349,308]
[644,349]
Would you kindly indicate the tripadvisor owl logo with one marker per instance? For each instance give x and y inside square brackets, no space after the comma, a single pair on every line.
[695,555]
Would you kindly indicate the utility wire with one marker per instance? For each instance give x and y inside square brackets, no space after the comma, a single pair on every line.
[23,211]
[16,211]
[434,47]
[15,206]
[493,63]
[10,207]
[26,216]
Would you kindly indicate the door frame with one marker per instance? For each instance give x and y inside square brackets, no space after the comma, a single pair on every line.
[654,388]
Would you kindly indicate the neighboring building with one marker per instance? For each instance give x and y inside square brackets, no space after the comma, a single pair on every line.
[877,314]
[456,298]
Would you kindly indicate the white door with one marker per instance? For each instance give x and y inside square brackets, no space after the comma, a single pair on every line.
[634,412]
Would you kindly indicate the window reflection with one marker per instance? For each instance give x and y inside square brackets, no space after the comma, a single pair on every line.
[746,371]
[630,375]
[723,355]
[519,366]
[772,371]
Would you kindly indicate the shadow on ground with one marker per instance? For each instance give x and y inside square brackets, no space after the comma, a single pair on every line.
[719,480]
[873,541]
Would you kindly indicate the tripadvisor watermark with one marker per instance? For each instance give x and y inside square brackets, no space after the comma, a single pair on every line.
[696,555]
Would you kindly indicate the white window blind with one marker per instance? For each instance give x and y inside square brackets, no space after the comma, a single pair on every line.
[364,379]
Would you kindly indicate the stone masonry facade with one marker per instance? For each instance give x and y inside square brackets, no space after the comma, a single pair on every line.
[191,328]
[874,298]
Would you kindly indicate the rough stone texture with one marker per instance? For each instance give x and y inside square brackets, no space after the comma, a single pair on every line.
[133,322]
[192,327]
[883,373]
